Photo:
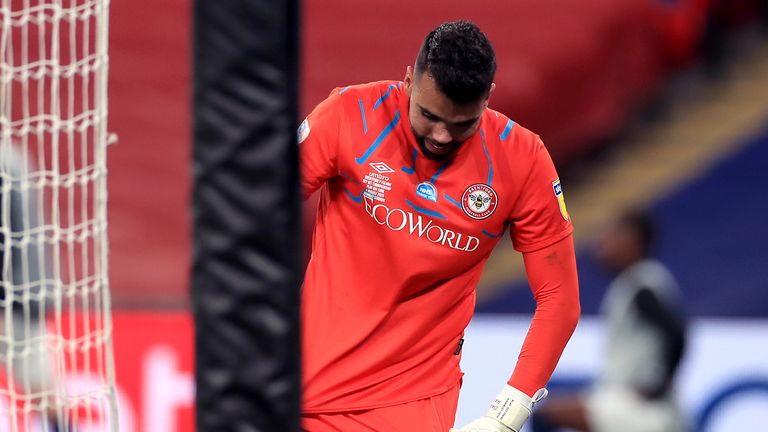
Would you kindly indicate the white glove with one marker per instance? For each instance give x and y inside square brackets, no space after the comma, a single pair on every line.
[507,413]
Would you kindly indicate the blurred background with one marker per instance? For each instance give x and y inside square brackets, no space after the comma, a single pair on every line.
[658,104]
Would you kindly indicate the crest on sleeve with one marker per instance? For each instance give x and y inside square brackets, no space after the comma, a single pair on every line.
[558,190]
[303,131]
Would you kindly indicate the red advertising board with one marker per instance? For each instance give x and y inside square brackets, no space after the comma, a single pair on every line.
[153,354]
[154,370]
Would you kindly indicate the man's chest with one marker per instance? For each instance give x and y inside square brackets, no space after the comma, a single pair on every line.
[396,192]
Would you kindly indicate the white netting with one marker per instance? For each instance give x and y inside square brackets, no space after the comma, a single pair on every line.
[56,366]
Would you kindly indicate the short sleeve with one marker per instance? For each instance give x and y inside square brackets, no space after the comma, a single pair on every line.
[539,217]
[318,137]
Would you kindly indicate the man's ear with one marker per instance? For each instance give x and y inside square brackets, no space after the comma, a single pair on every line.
[408,81]
[493,86]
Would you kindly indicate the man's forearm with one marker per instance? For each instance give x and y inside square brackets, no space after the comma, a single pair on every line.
[554,283]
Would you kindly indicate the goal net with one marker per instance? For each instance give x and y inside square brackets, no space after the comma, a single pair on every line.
[56,366]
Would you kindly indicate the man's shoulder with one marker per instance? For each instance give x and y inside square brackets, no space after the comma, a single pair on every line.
[364,97]
[372,90]
[510,137]
[652,272]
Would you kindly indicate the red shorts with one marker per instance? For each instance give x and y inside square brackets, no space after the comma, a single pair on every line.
[433,414]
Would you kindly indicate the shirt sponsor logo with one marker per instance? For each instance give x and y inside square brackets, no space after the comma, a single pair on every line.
[303,131]
[401,220]
[479,201]
[558,189]
[381,167]
[427,190]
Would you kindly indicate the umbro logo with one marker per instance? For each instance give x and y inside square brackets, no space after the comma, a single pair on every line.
[381,167]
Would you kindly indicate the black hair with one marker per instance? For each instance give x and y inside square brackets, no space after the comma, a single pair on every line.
[644,226]
[460,58]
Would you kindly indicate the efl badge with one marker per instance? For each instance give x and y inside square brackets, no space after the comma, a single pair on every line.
[427,190]
[560,198]
[479,201]
[303,131]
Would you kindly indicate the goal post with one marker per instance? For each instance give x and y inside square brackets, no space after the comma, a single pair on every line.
[56,365]
[246,216]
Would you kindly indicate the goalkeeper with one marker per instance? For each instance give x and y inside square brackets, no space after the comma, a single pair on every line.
[418,181]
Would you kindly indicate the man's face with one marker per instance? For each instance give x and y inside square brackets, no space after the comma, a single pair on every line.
[439,124]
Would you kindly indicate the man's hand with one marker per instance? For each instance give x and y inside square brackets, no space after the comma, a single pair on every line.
[507,413]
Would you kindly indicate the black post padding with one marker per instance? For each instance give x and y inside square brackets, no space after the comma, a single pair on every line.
[245,276]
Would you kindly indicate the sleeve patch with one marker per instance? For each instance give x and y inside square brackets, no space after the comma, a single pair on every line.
[303,131]
[558,190]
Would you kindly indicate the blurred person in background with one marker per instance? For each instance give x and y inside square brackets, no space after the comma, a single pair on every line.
[418,181]
[645,341]
[22,294]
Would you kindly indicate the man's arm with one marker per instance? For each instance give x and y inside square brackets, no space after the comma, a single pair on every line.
[541,229]
[554,282]
[318,137]
[555,286]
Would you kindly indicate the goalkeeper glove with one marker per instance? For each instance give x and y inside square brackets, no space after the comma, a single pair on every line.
[507,413]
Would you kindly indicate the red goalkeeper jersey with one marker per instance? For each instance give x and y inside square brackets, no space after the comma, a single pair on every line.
[400,243]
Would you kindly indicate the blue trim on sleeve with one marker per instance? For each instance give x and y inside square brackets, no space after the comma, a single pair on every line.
[384,96]
[344,89]
[507,129]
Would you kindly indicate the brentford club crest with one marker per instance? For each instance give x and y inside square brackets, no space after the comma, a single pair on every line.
[479,201]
